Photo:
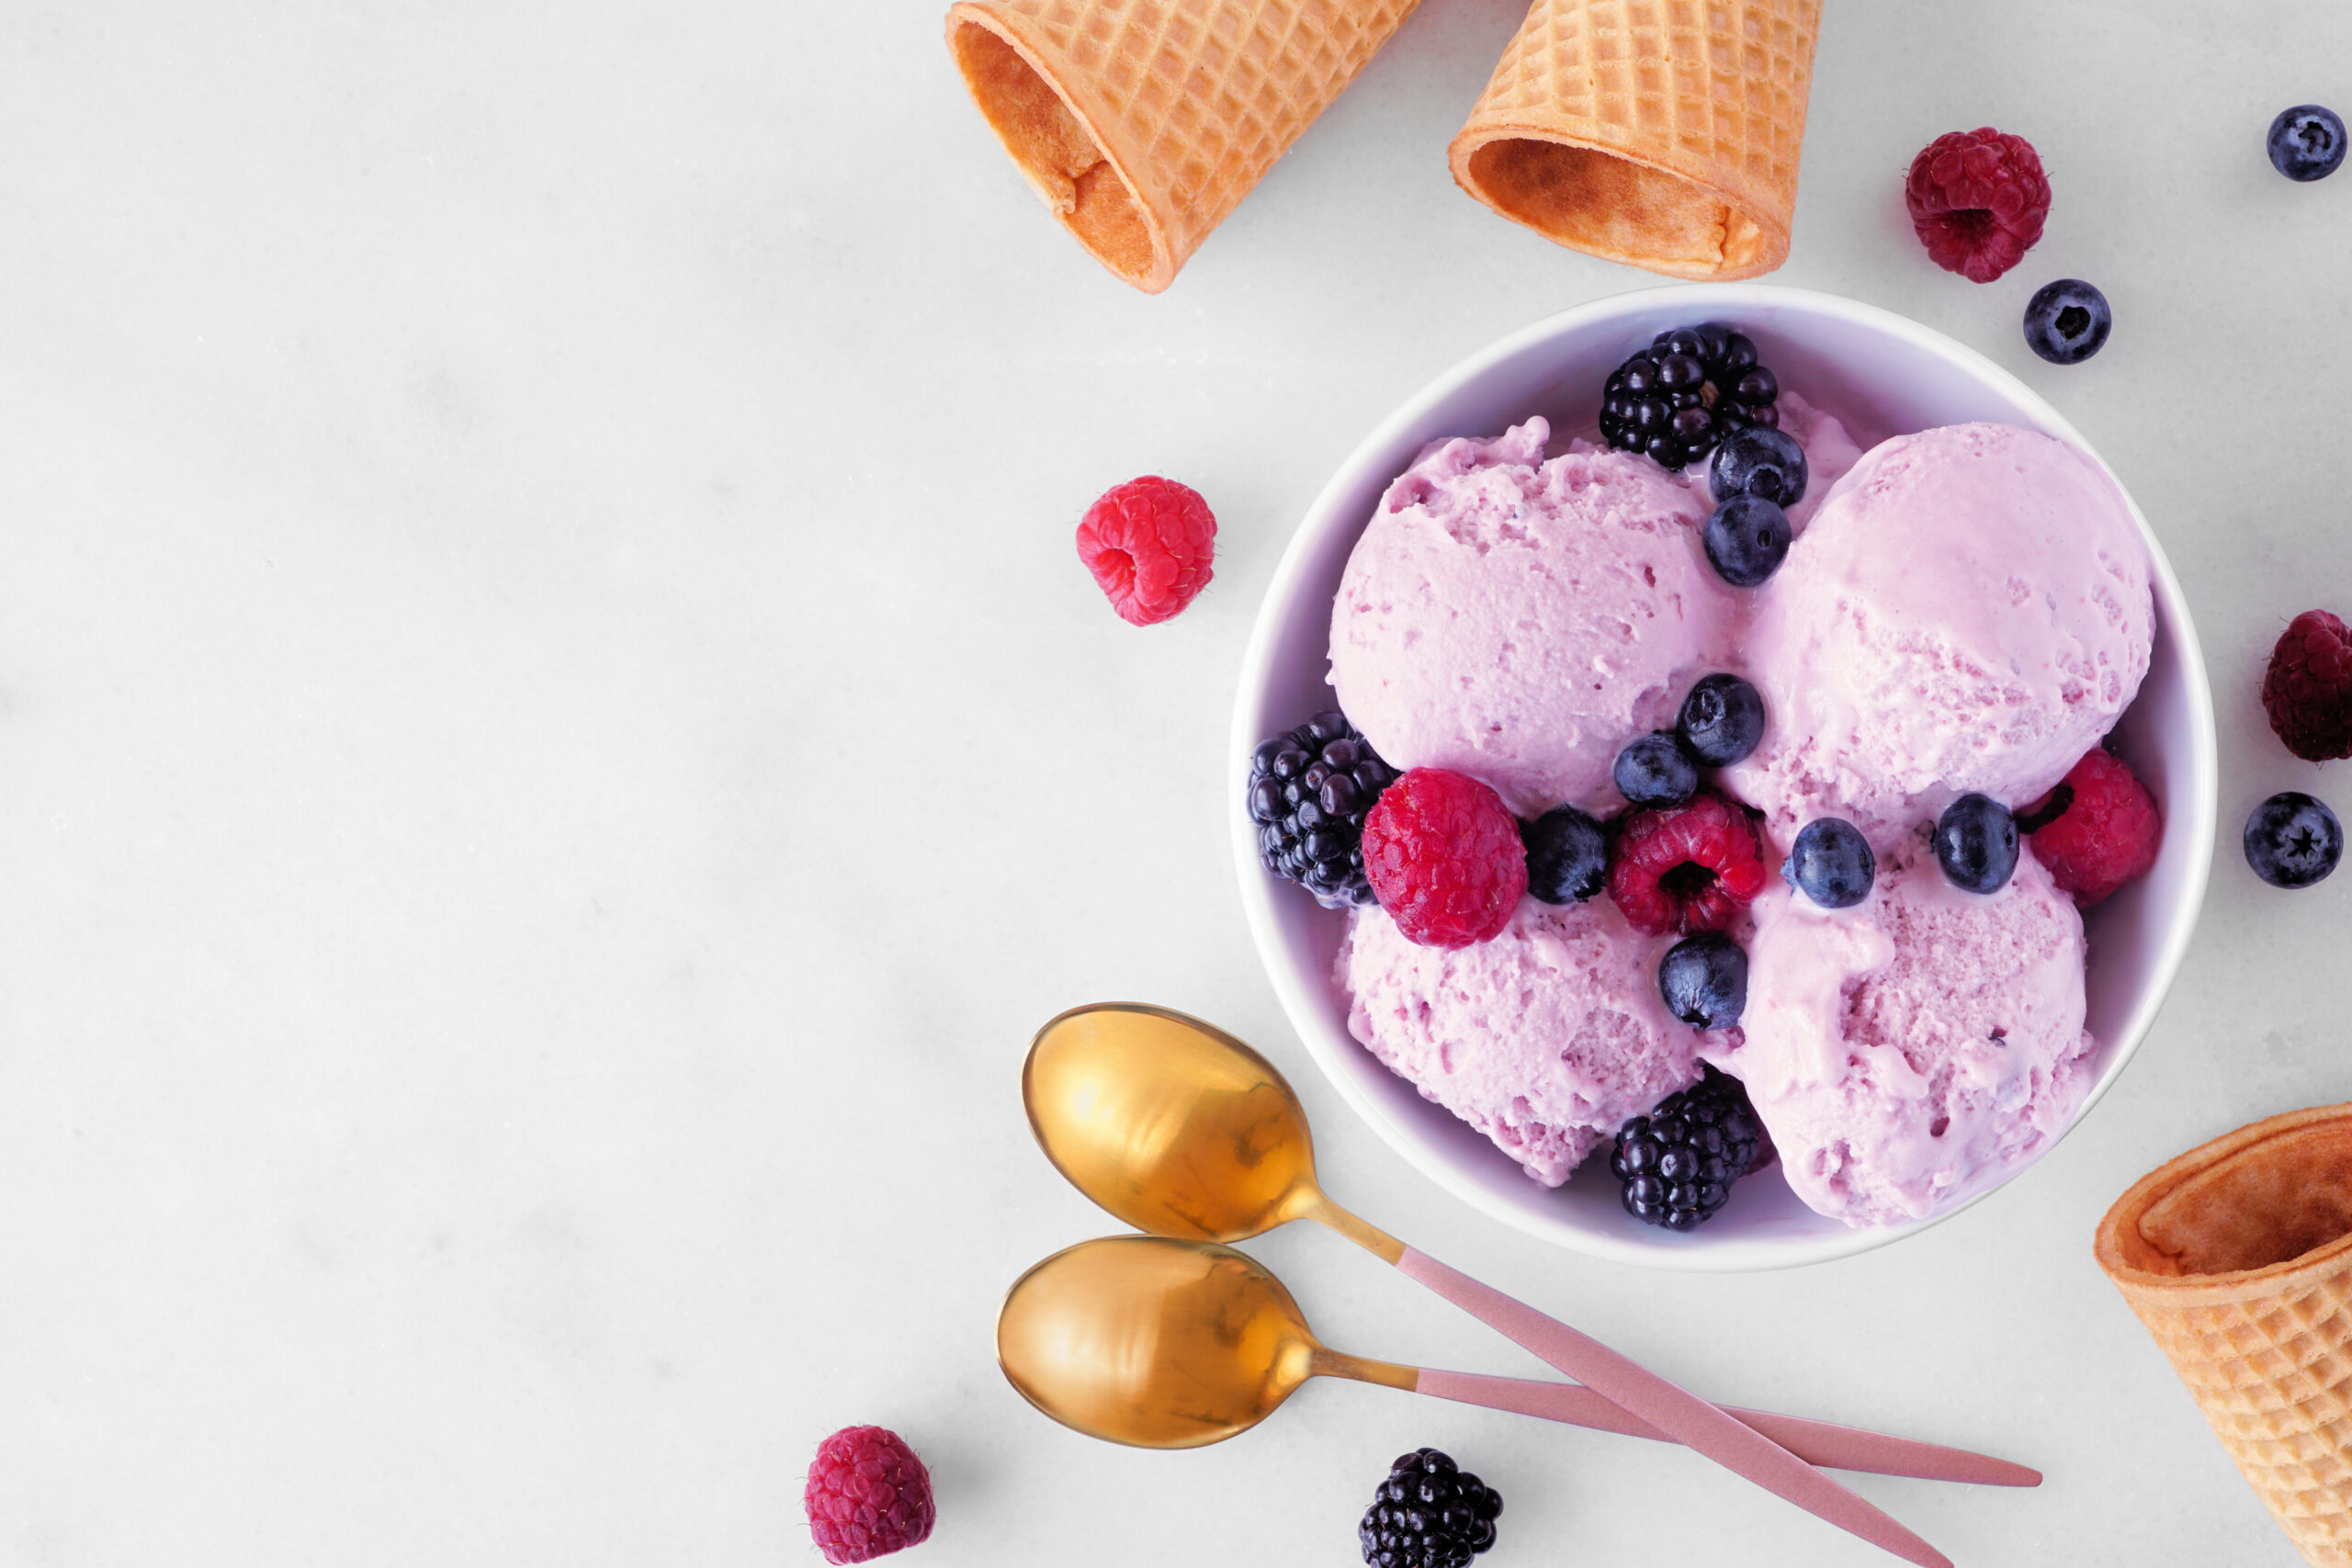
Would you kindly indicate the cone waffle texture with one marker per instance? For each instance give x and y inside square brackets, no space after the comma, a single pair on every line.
[2238,1259]
[1143,122]
[1663,133]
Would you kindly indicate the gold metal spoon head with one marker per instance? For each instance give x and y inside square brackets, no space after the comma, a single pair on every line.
[1155,1343]
[1170,1123]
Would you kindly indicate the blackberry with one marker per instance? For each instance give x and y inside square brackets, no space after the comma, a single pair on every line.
[1688,390]
[1430,1513]
[1678,1163]
[1308,790]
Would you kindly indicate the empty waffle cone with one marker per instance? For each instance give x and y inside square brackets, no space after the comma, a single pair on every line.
[2238,1259]
[1663,133]
[1143,122]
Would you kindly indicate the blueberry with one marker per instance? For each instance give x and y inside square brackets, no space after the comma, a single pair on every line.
[1567,855]
[1976,843]
[2306,143]
[1655,771]
[2293,840]
[2066,322]
[1759,461]
[1746,539]
[1832,863]
[1721,720]
[1703,980]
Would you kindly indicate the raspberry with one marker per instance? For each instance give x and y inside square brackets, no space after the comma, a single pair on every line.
[1977,199]
[2308,688]
[1688,868]
[2098,831]
[1148,543]
[1444,856]
[868,1496]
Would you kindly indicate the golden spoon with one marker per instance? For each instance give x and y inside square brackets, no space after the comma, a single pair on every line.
[1179,1129]
[1166,1344]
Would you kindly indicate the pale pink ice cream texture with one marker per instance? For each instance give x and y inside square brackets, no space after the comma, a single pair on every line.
[1546,1039]
[1968,611]
[1520,620]
[1912,1052]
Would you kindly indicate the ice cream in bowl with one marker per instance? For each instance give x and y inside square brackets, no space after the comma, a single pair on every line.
[1724,778]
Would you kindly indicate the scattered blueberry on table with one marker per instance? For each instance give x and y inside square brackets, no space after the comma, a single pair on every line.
[2293,840]
[2306,143]
[2068,321]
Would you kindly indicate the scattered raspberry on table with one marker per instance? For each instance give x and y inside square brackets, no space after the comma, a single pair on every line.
[1443,854]
[2307,691]
[2105,831]
[868,1496]
[1148,543]
[1977,201]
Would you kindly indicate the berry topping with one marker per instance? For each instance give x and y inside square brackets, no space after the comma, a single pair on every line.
[1762,462]
[1567,855]
[1148,543]
[1428,1514]
[2068,321]
[868,1496]
[1308,791]
[1655,771]
[2308,688]
[2293,840]
[1443,855]
[1976,843]
[1687,392]
[2306,143]
[1678,1163]
[1746,539]
[1721,721]
[1978,200]
[1703,980]
[1691,868]
[2096,831]
[1832,863]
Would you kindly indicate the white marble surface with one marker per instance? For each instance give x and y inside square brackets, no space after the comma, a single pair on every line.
[555,748]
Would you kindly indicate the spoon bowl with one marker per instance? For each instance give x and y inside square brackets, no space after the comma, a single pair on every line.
[1171,1123]
[1152,1343]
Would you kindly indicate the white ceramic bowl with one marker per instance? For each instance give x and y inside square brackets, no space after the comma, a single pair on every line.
[1885,376]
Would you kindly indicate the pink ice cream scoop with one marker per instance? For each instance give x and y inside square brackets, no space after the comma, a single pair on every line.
[1913,1051]
[1546,1039]
[1520,620]
[1968,611]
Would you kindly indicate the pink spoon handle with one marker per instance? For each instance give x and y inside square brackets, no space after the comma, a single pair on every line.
[1679,1415]
[1815,1442]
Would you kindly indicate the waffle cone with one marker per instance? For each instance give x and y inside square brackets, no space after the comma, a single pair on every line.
[1143,122]
[2238,1259]
[1663,133]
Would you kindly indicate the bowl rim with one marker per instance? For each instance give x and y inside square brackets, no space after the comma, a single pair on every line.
[1321,517]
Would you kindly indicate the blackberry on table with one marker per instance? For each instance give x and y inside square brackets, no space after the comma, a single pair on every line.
[1308,791]
[1677,1164]
[1430,1513]
[1689,389]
